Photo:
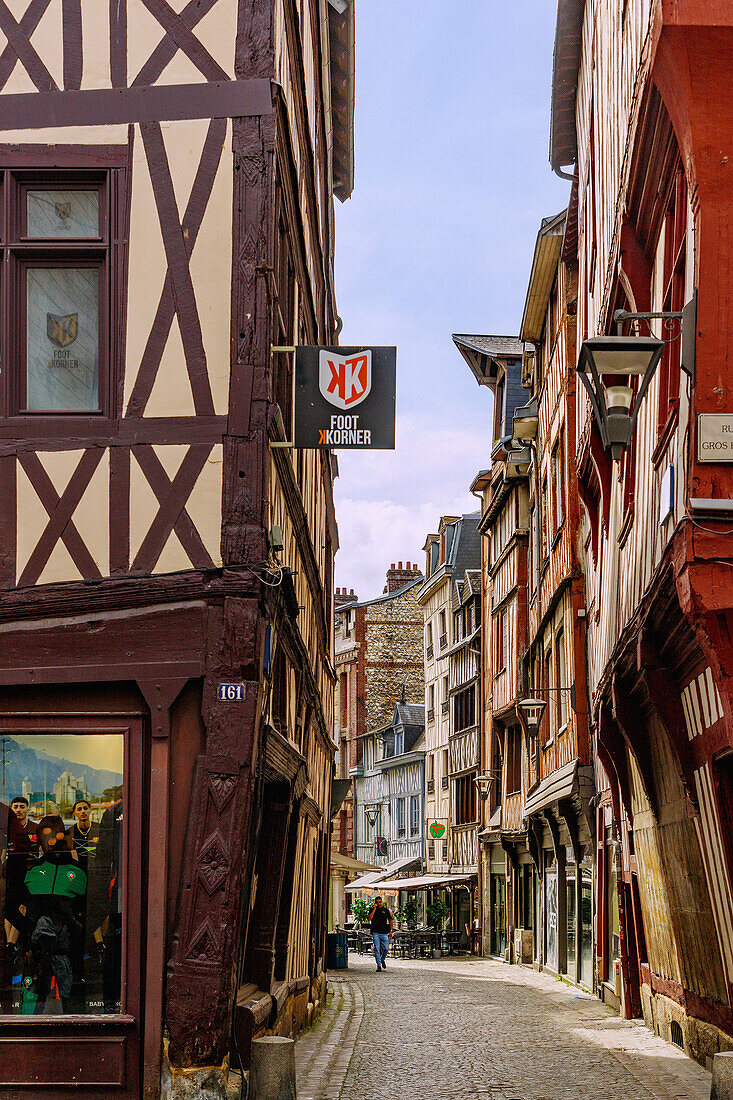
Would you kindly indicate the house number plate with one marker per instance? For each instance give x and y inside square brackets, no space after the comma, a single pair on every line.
[231,693]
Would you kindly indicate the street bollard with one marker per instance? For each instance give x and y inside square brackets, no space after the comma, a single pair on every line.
[722,1086]
[272,1069]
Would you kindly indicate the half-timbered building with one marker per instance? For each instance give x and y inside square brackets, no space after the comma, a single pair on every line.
[496,362]
[453,549]
[167,173]
[641,94]
[554,890]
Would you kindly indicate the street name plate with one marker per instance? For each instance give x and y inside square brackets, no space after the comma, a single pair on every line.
[715,437]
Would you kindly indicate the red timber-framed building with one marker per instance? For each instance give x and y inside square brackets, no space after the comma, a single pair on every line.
[641,96]
[167,176]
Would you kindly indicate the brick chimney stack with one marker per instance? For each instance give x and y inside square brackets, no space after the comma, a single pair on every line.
[343,596]
[398,576]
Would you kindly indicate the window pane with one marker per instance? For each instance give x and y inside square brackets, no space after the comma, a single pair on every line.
[55,214]
[62,328]
[62,874]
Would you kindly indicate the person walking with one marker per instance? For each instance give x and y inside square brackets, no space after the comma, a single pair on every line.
[380,923]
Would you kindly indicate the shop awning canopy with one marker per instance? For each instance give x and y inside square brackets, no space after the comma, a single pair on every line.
[422,882]
[365,881]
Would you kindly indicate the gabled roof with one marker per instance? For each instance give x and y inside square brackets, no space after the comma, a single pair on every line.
[547,250]
[484,354]
[410,714]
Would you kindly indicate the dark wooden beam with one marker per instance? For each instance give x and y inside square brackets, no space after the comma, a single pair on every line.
[637,740]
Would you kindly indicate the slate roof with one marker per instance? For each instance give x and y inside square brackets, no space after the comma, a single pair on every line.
[411,714]
[491,345]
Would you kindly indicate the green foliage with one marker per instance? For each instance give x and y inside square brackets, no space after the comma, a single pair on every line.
[361,908]
[407,911]
[437,912]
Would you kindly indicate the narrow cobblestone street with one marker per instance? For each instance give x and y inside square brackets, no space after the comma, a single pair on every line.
[468,1028]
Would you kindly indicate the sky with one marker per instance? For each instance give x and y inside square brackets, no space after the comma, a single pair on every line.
[451,182]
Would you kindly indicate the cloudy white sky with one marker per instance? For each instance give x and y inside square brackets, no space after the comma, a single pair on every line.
[452,180]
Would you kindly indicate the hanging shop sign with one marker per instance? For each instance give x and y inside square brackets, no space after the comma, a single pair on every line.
[437,828]
[381,847]
[345,397]
[715,437]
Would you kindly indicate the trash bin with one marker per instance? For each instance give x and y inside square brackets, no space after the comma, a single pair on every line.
[338,951]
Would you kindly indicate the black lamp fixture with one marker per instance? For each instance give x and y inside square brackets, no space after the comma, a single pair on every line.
[372,813]
[621,357]
[484,783]
[530,711]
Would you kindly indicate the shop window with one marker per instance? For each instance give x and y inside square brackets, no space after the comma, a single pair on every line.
[64,871]
[58,259]
[557,478]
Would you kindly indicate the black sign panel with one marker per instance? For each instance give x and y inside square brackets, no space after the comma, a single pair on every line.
[345,397]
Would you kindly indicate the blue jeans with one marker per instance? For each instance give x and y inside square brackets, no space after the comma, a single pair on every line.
[381,946]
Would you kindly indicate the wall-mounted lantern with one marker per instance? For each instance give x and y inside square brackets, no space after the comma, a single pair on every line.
[484,783]
[372,813]
[530,712]
[608,363]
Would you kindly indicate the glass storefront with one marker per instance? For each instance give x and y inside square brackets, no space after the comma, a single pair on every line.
[498,913]
[613,929]
[62,874]
[550,889]
[571,915]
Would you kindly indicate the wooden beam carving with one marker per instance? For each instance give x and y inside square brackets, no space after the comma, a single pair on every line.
[612,751]
[637,740]
[665,698]
[567,813]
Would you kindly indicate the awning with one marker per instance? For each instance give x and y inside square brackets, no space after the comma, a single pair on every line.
[422,882]
[346,863]
[388,869]
[364,881]
[571,779]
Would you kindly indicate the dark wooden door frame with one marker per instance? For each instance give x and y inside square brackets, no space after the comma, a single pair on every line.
[131,1022]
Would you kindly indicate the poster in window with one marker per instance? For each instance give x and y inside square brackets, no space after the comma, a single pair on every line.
[62,849]
[56,215]
[62,328]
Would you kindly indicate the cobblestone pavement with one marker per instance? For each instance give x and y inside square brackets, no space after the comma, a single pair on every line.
[461,1029]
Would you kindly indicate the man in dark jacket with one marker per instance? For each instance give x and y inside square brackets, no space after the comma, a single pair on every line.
[380,923]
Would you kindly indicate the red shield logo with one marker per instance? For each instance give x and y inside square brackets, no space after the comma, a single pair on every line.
[345,380]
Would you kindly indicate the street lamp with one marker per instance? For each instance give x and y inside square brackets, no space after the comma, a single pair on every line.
[614,404]
[484,783]
[530,711]
[372,813]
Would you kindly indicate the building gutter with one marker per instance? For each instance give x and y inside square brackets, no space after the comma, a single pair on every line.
[565,70]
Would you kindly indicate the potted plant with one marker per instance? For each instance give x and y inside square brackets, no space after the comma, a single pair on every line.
[407,912]
[360,909]
[437,912]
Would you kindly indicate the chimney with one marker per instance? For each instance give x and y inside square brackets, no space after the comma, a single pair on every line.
[400,576]
[342,597]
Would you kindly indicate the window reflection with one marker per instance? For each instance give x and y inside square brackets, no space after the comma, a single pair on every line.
[62,333]
[61,879]
[57,213]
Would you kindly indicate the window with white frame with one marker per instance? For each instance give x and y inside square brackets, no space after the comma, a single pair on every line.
[414,815]
[400,814]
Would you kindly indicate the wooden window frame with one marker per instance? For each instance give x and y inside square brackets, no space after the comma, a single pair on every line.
[101,168]
[673,295]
